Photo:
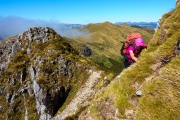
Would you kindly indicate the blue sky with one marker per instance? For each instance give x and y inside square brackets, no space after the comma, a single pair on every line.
[87,11]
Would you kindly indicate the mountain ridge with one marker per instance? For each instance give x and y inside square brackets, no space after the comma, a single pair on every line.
[44,76]
[153,25]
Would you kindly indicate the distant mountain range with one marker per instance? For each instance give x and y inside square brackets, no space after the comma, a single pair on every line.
[139,24]
[74,26]
[133,24]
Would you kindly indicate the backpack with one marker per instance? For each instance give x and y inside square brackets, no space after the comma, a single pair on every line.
[130,40]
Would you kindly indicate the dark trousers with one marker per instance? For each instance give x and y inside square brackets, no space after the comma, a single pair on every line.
[127,63]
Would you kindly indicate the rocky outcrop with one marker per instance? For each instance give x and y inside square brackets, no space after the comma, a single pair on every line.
[8,48]
[12,45]
[37,72]
[86,51]
[38,34]
[44,99]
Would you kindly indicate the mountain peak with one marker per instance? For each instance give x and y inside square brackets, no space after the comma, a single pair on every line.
[42,34]
[40,65]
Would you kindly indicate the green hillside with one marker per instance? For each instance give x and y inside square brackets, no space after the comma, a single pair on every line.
[105,41]
[149,89]
[43,76]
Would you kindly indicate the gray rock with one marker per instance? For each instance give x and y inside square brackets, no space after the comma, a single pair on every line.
[45,40]
[26,115]
[15,48]
[35,31]
[46,30]
[41,108]
[29,35]
[37,37]
[86,51]
[13,98]
[139,93]
[63,68]
[28,51]
[8,97]
[19,36]
[38,34]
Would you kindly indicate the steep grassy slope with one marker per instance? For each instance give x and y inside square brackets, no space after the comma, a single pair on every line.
[105,41]
[149,89]
[161,98]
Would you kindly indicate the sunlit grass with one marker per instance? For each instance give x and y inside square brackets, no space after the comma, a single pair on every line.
[161,96]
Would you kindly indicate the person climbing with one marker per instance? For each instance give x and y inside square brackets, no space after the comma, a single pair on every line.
[134,51]
[132,48]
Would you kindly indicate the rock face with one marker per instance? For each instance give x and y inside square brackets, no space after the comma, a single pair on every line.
[82,97]
[85,51]
[38,34]
[37,71]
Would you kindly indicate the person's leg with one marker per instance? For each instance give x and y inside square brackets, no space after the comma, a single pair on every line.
[126,63]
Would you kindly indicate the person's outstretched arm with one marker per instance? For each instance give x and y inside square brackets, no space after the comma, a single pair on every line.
[132,55]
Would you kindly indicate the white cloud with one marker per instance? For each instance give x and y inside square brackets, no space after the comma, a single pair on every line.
[12,25]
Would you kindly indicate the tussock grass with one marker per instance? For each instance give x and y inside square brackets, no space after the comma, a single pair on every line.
[162,95]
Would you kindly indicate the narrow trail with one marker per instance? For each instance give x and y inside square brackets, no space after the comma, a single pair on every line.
[82,97]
